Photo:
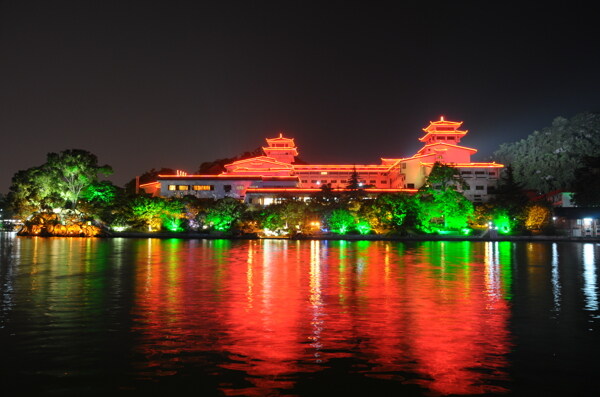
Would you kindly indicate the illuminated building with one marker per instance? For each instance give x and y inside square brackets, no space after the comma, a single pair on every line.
[263,179]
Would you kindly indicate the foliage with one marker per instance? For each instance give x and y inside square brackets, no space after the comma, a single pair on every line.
[147,177]
[283,217]
[537,217]
[443,177]
[58,183]
[32,191]
[353,182]
[394,210]
[439,206]
[147,210]
[586,188]
[363,226]
[224,213]
[217,166]
[340,221]
[72,171]
[546,160]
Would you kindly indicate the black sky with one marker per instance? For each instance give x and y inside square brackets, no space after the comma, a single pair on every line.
[172,84]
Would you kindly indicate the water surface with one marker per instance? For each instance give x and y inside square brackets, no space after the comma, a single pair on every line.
[278,317]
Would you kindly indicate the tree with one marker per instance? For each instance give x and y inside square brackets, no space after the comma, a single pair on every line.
[547,159]
[73,171]
[509,202]
[394,212]
[56,184]
[537,217]
[32,191]
[340,221]
[443,177]
[353,182]
[439,205]
[586,188]
[284,217]
[224,213]
[147,211]
[147,177]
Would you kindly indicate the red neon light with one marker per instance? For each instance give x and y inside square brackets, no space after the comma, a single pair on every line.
[153,184]
[260,159]
[315,190]
[469,165]
[449,145]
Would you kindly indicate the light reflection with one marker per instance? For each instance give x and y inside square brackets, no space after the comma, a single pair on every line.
[590,289]
[555,279]
[315,298]
[279,309]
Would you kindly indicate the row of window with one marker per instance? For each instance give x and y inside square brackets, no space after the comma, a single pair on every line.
[477,173]
[333,181]
[226,188]
[191,187]
[300,173]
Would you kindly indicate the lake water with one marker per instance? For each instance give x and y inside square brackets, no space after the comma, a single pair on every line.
[278,317]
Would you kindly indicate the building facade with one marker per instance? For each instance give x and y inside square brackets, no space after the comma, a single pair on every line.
[263,179]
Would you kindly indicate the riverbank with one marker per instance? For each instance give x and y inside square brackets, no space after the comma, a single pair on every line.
[353,237]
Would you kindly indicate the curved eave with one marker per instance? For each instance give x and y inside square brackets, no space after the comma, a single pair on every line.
[448,145]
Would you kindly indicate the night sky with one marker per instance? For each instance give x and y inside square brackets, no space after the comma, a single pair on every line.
[173,84]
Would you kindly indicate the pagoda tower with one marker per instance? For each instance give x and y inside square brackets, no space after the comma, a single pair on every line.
[281,149]
[443,131]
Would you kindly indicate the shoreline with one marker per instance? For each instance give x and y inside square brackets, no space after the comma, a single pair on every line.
[352,237]
[347,237]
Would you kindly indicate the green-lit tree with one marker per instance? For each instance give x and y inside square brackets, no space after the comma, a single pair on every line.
[506,208]
[146,212]
[224,213]
[341,221]
[57,184]
[394,212]
[33,190]
[73,171]
[284,218]
[439,204]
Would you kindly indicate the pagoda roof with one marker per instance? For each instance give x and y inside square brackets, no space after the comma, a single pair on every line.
[448,145]
[443,127]
[469,165]
[259,159]
[280,138]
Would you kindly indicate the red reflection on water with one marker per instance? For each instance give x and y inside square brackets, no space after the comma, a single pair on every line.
[434,314]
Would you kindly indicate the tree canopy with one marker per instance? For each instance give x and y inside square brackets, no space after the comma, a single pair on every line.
[546,160]
[58,183]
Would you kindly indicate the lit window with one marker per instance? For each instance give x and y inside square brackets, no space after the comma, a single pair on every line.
[183,187]
[202,187]
[172,187]
[323,172]
[240,187]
